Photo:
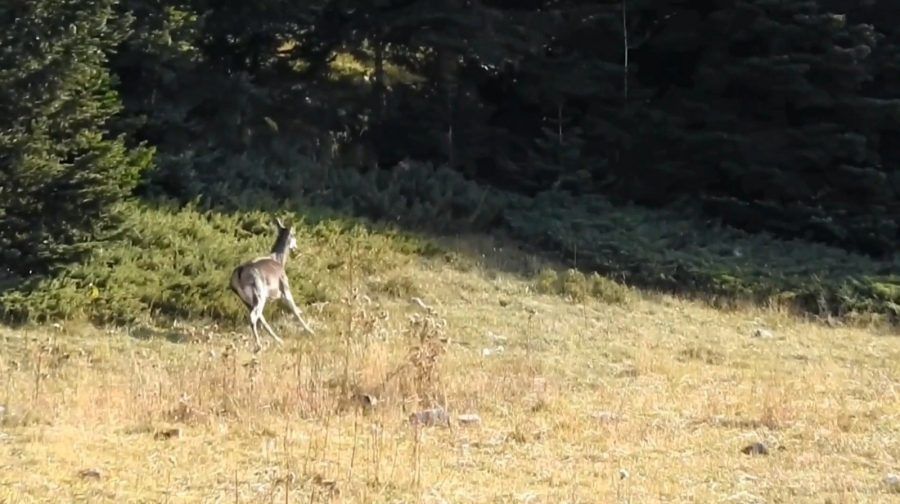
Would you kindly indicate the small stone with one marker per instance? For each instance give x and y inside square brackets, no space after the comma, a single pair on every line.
[755,449]
[763,333]
[893,482]
[497,338]
[468,419]
[487,352]
[430,417]
[165,434]
[90,474]
[628,372]
[367,400]
[606,417]
[330,486]
[623,474]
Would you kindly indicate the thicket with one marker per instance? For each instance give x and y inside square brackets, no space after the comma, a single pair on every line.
[61,169]
[752,128]
[173,263]
[770,116]
[673,252]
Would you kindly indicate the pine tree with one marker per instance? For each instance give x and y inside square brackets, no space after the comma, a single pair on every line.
[62,170]
[767,119]
[806,152]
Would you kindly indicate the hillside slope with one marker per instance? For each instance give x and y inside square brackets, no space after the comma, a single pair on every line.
[620,396]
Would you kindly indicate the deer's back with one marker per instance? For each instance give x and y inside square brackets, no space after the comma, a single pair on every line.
[267,270]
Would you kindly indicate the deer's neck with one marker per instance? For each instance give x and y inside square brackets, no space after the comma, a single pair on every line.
[281,257]
[280,249]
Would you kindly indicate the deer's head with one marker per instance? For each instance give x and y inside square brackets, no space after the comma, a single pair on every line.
[288,233]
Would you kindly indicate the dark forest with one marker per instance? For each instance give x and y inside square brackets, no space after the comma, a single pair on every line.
[739,149]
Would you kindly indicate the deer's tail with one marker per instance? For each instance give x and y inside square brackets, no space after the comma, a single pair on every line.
[237,285]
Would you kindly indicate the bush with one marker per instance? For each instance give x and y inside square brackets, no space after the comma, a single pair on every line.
[171,262]
[579,287]
[176,263]
[670,251]
[416,196]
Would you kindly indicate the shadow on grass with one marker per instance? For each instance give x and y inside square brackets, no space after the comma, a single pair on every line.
[146,333]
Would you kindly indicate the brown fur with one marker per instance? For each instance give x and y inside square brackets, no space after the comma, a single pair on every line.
[264,279]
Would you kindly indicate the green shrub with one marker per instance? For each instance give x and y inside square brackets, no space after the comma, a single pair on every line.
[677,252]
[176,263]
[396,286]
[416,196]
[579,287]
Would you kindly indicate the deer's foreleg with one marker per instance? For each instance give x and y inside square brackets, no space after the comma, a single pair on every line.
[269,329]
[289,299]
[257,315]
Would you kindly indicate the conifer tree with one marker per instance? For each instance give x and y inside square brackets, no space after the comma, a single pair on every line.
[764,112]
[62,169]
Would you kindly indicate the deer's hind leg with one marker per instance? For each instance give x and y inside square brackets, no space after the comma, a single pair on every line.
[269,329]
[248,296]
[254,320]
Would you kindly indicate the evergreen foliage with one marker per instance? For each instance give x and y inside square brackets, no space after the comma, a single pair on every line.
[752,126]
[174,263]
[678,253]
[62,166]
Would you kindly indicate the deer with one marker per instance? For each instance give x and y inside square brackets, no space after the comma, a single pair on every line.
[264,279]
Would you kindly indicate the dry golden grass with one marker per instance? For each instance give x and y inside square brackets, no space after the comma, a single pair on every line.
[649,401]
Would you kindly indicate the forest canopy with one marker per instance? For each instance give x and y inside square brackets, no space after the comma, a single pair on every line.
[776,117]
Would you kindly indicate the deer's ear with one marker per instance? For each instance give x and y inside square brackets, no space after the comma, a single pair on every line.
[279,222]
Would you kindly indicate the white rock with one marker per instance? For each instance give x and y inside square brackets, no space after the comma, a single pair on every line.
[892,481]
[487,352]
[468,419]
[429,417]
[606,417]
[763,333]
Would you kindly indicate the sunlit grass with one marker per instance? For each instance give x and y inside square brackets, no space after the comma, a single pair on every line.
[645,399]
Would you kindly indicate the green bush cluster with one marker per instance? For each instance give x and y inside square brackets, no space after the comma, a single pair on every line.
[176,263]
[173,261]
[670,251]
[412,195]
[579,287]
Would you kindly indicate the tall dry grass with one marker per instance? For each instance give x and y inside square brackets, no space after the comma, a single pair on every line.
[647,399]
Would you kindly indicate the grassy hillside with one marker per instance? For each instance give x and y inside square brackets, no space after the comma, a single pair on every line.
[620,396]
[172,262]
[130,377]
[579,351]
